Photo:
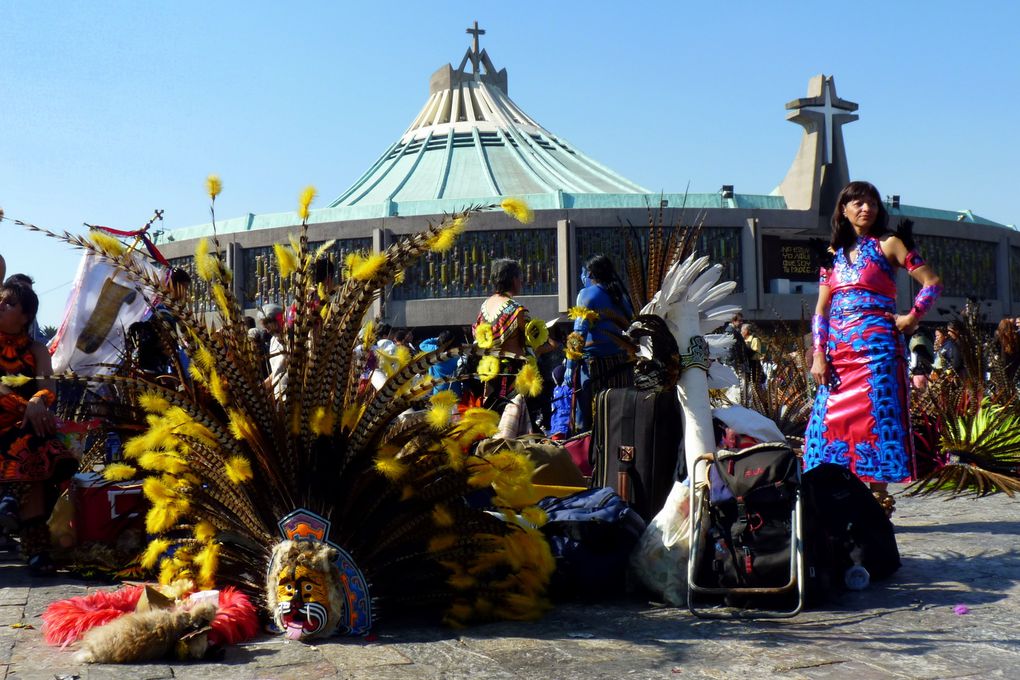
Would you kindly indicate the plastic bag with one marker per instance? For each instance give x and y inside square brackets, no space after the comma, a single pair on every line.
[659,562]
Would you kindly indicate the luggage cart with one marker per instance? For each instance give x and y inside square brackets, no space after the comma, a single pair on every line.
[751,460]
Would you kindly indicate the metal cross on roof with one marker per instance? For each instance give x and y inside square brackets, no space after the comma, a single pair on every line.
[475,31]
[824,107]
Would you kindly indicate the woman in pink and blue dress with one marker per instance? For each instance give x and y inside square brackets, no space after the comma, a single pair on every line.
[861,418]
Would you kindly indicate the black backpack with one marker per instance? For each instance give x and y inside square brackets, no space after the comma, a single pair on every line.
[748,539]
[843,526]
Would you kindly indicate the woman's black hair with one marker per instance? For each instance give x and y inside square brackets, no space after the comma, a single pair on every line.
[600,269]
[27,299]
[502,274]
[843,235]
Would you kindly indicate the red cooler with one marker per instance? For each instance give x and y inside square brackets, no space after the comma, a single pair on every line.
[104,510]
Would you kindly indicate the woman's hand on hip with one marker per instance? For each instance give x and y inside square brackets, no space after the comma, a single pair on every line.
[906,323]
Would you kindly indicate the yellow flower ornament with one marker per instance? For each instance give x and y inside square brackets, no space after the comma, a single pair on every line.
[488,368]
[536,333]
[483,336]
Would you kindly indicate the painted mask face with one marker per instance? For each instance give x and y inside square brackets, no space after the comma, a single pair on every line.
[303,605]
[585,277]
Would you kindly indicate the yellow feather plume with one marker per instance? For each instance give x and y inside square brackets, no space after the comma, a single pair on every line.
[238,469]
[205,264]
[391,468]
[454,453]
[442,516]
[204,531]
[444,239]
[156,548]
[195,371]
[535,515]
[518,209]
[219,294]
[163,516]
[15,380]
[218,388]
[286,260]
[324,248]
[118,472]
[158,492]
[351,416]
[323,421]
[529,380]
[152,402]
[241,426]
[488,368]
[213,186]
[207,560]
[364,268]
[305,200]
[442,405]
[106,243]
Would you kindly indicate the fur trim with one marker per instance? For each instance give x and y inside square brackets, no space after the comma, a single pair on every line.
[67,620]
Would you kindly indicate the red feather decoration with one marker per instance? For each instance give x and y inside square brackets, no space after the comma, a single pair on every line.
[67,620]
[237,619]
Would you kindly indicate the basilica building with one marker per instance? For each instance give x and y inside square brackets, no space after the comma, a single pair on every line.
[471,144]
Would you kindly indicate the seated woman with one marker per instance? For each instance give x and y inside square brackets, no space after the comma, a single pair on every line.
[32,461]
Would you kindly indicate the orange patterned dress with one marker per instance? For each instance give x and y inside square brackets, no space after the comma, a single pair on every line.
[24,456]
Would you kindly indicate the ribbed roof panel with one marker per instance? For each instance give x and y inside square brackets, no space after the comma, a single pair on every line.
[470,140]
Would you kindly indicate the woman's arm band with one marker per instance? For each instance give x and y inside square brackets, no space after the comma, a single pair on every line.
[925,300]
[913,261]
[819,333]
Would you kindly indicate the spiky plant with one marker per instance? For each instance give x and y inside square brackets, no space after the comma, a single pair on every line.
[979,453]
[966,427]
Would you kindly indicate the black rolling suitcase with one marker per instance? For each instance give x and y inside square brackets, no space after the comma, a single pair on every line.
[636,445]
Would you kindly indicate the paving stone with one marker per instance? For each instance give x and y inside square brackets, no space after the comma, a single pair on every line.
[957,552]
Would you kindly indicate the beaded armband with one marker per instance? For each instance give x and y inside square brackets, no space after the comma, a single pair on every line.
[819,333]
[925,300]
[913,261]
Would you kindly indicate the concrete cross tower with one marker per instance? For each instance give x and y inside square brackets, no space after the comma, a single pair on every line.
[820,169]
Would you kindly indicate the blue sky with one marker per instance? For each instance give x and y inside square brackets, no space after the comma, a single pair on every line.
[109,110]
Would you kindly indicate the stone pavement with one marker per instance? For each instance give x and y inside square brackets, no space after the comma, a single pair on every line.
[960,552]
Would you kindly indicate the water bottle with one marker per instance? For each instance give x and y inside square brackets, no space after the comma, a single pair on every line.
[856,578]
[113,447]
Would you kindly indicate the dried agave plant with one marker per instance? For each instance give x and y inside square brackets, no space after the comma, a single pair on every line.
[967,427]
[978,453]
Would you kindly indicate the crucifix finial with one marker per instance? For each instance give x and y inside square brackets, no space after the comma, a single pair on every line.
[475,31]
